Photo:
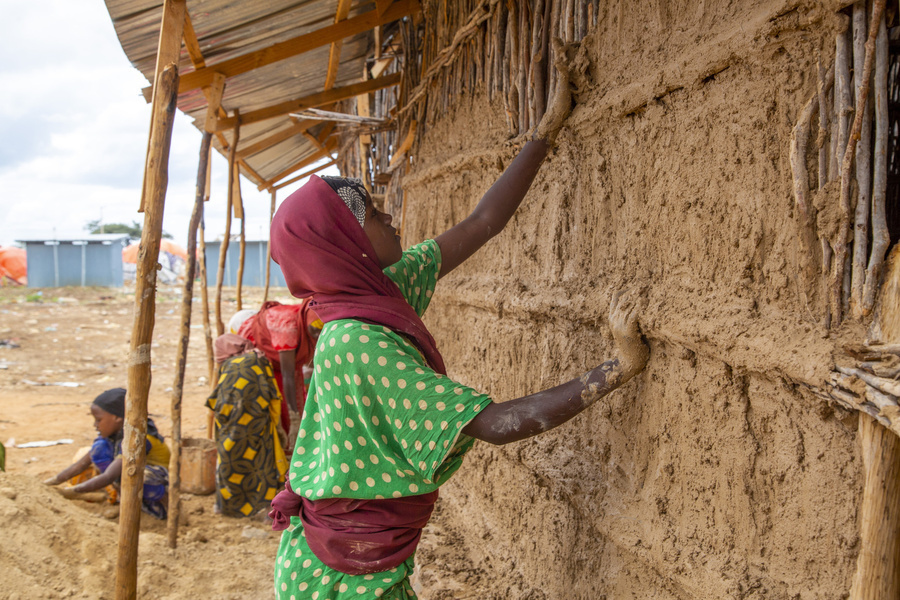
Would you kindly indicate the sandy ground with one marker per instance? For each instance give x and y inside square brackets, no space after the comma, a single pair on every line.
[57,548]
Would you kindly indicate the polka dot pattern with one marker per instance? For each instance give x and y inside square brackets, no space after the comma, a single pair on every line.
[382,424]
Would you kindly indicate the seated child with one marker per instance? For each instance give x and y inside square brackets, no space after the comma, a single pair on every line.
[105,457]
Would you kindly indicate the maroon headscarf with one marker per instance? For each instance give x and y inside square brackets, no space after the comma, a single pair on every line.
[324,253]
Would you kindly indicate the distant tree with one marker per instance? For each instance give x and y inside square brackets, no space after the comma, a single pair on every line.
[133,230]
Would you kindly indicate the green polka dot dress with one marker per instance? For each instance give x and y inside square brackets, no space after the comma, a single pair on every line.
[378,423]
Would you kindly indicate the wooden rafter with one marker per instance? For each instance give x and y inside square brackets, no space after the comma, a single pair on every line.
[213,93]
[306,174]
[381,6]
[330,145]
[311,101]
[192,44]
[319,142]
[299,45]
[276,138]
[249,171]
[334,54]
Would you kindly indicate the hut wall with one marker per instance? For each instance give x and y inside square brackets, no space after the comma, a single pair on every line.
[714,474]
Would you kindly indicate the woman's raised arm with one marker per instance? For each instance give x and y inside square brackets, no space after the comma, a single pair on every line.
[494,210]
[500,202]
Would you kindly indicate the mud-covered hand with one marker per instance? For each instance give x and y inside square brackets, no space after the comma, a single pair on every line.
[560,105]
[623,321]
[52,481]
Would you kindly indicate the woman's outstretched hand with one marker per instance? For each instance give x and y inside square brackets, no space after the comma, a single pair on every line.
[623,321]
[560,105]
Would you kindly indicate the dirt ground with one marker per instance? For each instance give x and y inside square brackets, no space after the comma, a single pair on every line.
[57,548]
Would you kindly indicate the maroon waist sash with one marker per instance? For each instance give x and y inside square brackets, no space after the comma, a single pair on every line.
[357,536]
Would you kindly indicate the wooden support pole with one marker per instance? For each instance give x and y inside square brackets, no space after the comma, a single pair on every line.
[239,201]
[170,35]
[187,298]
[223,249]
[269,246]
[135,429]
[878,564]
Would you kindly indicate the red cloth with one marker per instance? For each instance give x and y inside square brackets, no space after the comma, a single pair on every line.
[326,255]
[357,536]
[277,327]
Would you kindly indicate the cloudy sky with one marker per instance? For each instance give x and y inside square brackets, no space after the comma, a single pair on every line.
[74,129]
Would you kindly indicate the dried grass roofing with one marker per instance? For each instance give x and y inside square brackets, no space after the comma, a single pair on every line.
[226,29]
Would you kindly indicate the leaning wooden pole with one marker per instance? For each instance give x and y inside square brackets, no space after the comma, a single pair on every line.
[269,247]
[223,250]
[135,436]
[187,298]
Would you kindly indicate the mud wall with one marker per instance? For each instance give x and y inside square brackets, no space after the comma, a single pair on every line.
[712,474]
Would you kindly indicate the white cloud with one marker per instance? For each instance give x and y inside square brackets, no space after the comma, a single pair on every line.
[75,127]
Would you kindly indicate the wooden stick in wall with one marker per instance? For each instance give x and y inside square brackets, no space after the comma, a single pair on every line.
[135,429]
[512,103]
[524,52]
[863,166]
[538,53]
[821,88]
[843,109]
[881,238]
[840,250]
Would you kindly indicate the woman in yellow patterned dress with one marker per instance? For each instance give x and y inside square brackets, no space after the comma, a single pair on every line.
[247,409]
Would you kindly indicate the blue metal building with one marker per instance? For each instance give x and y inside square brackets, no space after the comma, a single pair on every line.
[254,265]
[80,261]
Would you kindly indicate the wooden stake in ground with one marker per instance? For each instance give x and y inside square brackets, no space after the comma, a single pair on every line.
[239,204]
[840,250]
[135,428]
[881,239]
[269,247]
[223,249]
[204,289]
[187,297]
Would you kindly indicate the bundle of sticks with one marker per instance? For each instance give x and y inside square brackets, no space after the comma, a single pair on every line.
[869,383]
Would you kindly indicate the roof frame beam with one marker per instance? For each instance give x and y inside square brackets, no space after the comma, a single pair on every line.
[311,101]
[299,45]
[334,54]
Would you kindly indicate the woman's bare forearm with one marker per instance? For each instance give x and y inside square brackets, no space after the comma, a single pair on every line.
[505,422]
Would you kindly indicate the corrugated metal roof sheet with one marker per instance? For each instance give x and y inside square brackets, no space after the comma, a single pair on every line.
[227,29]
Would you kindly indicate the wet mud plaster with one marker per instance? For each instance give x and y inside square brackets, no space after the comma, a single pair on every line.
[711,474]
